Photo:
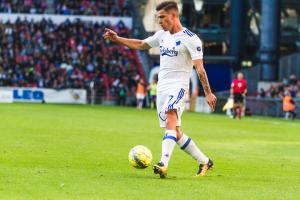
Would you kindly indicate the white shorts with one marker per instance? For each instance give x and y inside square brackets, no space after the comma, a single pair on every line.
[173,99]
[140,96]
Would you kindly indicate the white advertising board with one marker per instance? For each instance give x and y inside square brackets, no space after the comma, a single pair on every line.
[201,105]
[38,95]
[6,96]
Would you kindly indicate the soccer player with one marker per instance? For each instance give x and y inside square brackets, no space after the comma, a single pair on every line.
[238,91]
[180,50]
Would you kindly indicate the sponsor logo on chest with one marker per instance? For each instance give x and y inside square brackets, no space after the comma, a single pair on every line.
[165,51]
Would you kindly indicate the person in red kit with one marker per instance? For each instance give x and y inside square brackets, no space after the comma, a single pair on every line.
[238,92]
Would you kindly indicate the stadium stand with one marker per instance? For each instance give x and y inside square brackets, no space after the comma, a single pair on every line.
[23,6]
[68,55]
[278,89]
[84,7]
[79,7]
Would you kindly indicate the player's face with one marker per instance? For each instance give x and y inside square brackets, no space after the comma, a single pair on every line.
[240,76]
[165,19]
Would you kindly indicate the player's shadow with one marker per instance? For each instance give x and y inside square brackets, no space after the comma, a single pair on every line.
[172,178]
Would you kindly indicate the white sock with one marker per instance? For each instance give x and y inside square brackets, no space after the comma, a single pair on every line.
[187,144]
[168,145]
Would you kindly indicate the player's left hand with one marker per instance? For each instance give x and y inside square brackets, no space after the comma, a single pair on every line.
[211,99]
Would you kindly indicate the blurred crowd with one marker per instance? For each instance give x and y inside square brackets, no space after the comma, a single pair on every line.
[77,7]
[93,7]
[278,90]
[23,6]
[67,55]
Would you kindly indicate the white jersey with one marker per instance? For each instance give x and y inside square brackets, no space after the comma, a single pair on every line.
[177,52]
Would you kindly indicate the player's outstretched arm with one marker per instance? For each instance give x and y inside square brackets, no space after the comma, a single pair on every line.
[210,97]
[130,43]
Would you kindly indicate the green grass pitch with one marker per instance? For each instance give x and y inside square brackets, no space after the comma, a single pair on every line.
[81,152]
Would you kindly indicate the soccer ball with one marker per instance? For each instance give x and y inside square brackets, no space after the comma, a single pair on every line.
[140,157]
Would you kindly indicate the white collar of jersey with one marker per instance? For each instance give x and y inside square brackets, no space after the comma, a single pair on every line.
[178,33]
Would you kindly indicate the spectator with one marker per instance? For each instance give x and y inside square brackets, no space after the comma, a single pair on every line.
[293,80]
[262,93]
[122,92]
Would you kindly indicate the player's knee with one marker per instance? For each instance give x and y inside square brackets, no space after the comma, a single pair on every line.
[171,120]
[170,124]
[178,133]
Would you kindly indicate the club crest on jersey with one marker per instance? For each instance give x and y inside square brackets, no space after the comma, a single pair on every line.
[168,52]
[198,48]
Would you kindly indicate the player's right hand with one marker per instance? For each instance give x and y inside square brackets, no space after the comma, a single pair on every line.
[110,35]
[211,99]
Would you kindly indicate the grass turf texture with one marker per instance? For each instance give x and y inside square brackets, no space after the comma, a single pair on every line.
[80,152]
